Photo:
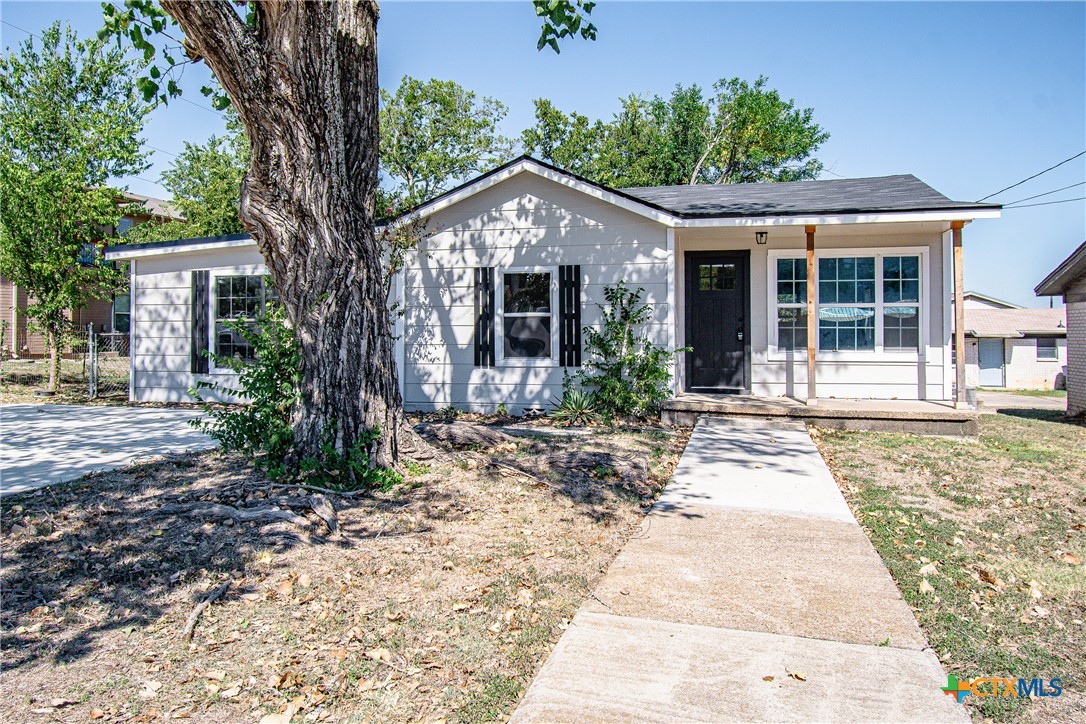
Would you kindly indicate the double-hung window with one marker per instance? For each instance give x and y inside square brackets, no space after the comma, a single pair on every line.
[238,299]
[1046,348]
[527,324]
[791,303]
[864,303]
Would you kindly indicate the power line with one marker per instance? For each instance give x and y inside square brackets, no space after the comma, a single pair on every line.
[1046,203]
[193,103]
[171,153]
[1046,193]
[12,25]
[1066,160]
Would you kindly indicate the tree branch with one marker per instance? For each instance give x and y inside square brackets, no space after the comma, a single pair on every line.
[215,32]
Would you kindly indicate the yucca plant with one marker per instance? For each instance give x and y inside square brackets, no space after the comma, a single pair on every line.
[577,407]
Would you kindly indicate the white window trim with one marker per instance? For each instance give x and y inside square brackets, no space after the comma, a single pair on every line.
[212,302]
[499,318]
[879,354]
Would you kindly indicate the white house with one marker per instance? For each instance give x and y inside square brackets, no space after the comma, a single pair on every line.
[1068,280]
[1014,347]
[838,288]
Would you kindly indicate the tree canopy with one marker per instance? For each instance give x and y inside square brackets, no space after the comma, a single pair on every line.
[436,132]
[743,132]
[204,182]
[70,119]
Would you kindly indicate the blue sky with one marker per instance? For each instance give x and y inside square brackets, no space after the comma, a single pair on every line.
[970,97]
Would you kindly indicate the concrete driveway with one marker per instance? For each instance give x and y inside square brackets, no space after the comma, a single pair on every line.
[45,444]
[994,400]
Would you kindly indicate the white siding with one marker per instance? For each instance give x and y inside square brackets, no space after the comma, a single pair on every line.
[524,222]
[161,320]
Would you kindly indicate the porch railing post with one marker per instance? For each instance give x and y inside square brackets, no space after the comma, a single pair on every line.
[960,399]
[812,319]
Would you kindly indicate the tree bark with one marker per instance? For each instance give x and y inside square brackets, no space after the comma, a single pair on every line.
[52,340]
[304,83]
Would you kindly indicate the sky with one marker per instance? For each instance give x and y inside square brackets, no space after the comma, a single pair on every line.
[970,97]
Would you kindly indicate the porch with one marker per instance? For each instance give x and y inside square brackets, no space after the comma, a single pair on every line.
[919,417]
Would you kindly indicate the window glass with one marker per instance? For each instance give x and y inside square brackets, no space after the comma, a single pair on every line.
[791,328]
[901,328]
[121,316]
[237,298]
[1046,348]
[846,328]
[791,281]
[716,277]
[528,293]
[526,325]
[846,280]
[901,279]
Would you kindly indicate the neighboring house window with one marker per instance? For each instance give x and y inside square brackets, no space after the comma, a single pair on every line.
[237,298]
[526,315]
[88,254]
[124,225]
[865,303]
[792,303]
[846,303]
[1046,348]
[121,315]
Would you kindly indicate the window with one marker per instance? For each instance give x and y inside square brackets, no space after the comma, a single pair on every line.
[121,317]
[237,298]
[846,303]
[792,303]
[901,302]
[864,303]
[716,277]
[1046,348]
[526,315]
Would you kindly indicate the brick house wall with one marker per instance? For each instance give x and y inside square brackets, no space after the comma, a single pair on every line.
[1076,347]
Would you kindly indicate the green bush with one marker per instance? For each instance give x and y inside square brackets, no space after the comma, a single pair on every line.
[627,374]
[577,407]
[261,430]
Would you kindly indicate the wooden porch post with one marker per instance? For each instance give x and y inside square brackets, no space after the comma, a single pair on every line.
[960,401]
[812,322]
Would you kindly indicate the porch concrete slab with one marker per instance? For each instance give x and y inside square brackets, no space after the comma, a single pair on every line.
[783,574]
[992,401]
[45,444]
[750,464]
[619,669]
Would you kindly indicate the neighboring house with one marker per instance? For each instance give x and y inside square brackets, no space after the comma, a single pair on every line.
[107,315]
[516,261]
[1068,280]
[976,300]
[1015,348]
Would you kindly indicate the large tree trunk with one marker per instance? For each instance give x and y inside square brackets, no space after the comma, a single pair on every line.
[304,83]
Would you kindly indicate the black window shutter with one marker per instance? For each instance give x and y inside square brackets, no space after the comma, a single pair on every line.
[484,316]
[569,315]
[201,334]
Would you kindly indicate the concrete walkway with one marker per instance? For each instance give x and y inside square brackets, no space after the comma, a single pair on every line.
[45,444]
[992,401]
[751,594]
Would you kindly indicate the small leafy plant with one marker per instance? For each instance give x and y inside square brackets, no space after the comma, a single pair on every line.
[627,374]
[261,430]
[577,407]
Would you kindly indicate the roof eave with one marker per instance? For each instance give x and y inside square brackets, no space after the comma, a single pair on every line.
[1069,270]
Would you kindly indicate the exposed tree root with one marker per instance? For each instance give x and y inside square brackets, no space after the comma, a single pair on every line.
[190,624]
[217,511]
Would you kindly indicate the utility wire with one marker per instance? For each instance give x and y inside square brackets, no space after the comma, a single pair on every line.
[1047,203]
[219,113]
[171,153]
[12,25]
[1046,193]
[1066,160]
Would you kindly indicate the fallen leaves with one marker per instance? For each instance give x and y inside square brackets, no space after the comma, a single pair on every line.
[926,588]
[797,675]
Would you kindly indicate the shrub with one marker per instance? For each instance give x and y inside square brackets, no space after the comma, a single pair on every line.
[627,373]
[261,430]
[577,407]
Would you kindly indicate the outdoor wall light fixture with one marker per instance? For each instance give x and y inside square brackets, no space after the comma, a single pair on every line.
[761,237]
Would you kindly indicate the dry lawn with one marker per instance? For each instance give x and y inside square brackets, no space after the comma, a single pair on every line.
[438,600]
[986,540]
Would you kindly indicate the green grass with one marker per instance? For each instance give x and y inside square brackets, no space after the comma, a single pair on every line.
[979,521]
[1029,393]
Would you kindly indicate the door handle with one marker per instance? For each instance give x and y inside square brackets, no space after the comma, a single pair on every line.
[739,330]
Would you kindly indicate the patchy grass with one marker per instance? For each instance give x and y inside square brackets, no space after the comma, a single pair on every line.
[440,600]
[1029,393]
[986,540]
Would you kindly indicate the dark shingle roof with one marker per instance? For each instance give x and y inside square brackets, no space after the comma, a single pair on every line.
[837,196]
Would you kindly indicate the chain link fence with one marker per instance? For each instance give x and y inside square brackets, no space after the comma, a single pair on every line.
[92,364]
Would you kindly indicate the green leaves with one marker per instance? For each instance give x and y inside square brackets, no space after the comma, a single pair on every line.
[563,19]
[434,133]
[742,133]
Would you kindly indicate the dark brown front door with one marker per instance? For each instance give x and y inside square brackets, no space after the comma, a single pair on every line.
[718,321]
